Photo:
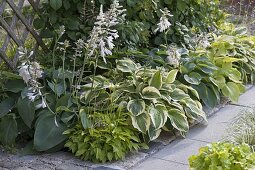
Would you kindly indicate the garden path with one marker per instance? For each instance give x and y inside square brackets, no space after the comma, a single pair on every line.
[175,155]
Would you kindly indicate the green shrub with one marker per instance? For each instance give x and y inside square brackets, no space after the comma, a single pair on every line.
[225,156]
[109,138]
[142,16]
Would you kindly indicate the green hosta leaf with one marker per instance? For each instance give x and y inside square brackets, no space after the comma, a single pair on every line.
[58,89]
[207,95]
[136,107]
[193,78]
[234,75]
[150,93]
[6,106]
[207,68]
[219,81]
[194,110]
[15,86]
[126,66]
[26,110]
[178,120]
[86,123]
[158,115]
[8,130]
[178,95]
[232,91]
[141,122]
[48,132]
[171,76]
[187,67]
[63,109]
[242,88]
[193,91]
[153,133]
[156,80]
[67,117]
[229,59]
[56,4]
[64,101]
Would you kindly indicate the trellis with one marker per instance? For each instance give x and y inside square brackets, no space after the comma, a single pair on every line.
[16,31]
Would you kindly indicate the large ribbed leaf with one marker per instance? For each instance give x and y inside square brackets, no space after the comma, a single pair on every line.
[141,122]
[6,106]
[136,107]
[232,91]
[8,130]
[153,132]
[26,110]
[158,115]
[178,120]
[126,66]
[156,80]
[151,93]
[48,132]
[171,76]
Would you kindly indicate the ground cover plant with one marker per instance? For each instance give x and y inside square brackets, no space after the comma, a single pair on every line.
[241,129]
[236,151]
[119,73]
[223,156]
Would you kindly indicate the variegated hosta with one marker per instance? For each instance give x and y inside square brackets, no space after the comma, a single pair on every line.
[154,97]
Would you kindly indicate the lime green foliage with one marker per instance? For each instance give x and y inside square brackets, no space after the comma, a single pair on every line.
[225,156]
[109,138]
[235,52]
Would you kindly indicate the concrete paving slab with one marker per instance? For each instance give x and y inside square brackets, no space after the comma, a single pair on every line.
[248,98]
[213,132]
[179,150]
[159,164]
[226,114]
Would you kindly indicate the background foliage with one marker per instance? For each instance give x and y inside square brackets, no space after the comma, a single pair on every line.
[189,16]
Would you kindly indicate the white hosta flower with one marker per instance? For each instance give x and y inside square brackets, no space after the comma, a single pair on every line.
[110,42]
[164,23]
[102,35]
[24,53]
[80,44]
[43,103]
[24,73]
[202,41]
[61,31]
[35,70]
[32,96]
[173,57]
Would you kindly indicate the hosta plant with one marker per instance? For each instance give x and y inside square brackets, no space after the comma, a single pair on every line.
[155,100]
[235,52]
[225,156]
[211,81]
[108,137]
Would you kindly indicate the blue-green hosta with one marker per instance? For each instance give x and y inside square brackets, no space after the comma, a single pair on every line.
[211,81]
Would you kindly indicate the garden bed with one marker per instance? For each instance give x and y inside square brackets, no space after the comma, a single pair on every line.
[118,77]
[65,161]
